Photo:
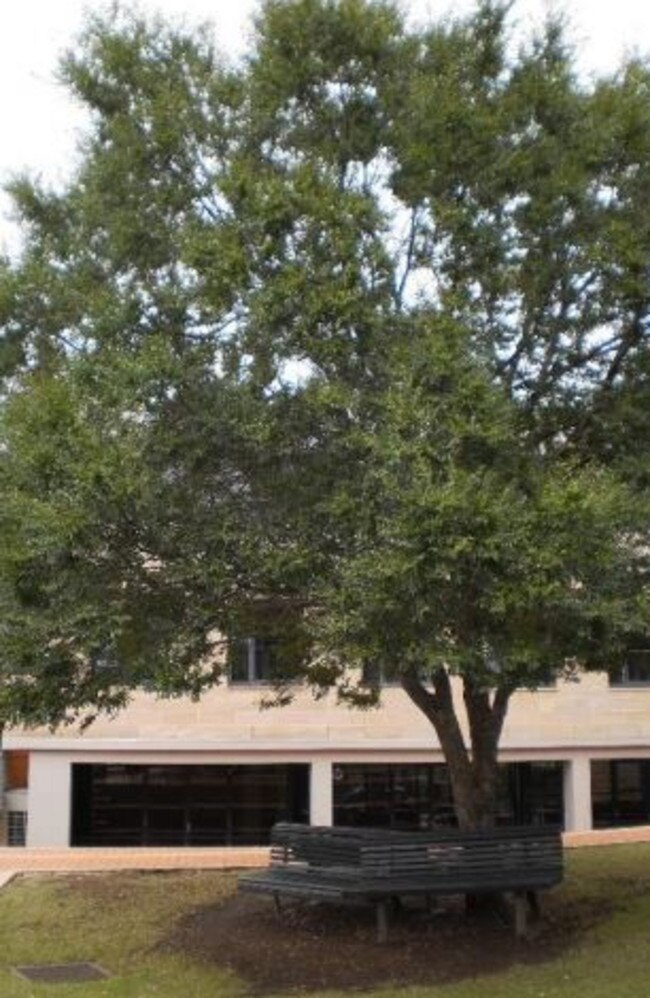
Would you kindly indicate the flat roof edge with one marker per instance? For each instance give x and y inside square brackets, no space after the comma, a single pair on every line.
[128,746]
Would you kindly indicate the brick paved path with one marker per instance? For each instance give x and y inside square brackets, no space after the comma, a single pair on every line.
[15,860]
[607,836]
[19,860]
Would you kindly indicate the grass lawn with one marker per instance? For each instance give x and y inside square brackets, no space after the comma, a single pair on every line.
[125,922]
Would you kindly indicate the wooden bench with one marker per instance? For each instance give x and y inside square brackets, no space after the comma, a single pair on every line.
[381,867]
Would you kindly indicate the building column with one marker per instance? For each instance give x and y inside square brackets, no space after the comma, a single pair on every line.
[578,815]
[320,793]
[49,799]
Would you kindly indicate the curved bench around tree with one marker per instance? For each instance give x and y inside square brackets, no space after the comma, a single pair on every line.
[379,866]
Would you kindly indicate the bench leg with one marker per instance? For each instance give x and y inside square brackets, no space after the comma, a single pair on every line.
[533,904]
[278,904]
[521,913]
[382,921]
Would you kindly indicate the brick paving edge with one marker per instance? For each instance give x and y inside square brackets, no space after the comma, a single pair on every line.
[606,837]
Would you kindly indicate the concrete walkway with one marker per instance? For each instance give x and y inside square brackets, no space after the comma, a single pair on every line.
[16,860]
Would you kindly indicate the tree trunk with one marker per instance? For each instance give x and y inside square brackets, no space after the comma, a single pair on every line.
[473,768]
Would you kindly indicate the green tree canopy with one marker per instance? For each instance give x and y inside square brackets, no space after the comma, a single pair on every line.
[345,345]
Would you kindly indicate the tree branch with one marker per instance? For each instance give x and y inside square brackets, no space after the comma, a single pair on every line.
[399,293]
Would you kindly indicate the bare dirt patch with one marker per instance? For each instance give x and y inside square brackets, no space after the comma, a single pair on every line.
[313,947]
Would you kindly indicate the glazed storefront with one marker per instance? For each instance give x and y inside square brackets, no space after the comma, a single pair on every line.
[194,805]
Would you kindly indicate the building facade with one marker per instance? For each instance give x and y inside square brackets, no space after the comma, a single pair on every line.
[220,771]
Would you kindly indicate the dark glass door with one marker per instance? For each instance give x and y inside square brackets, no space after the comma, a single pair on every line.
[419,796]
[185,805]
[620,792]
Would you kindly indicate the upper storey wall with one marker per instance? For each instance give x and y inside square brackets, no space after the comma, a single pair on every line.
[587,713]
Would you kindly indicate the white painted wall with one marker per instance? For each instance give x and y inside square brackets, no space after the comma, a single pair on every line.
[48,820]
[578,816]
[321,810]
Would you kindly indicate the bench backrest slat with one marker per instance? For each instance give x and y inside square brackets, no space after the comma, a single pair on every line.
[535,852]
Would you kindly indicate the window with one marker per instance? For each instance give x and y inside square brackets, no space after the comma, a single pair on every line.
[635,670]
[419,795]
[375,675]
[392,796]
[257,660]
[185,805]
[620,792]
[107,667]
[16,828]
[103,659]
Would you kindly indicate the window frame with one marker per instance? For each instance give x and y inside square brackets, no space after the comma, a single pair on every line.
[393,682]
[379,681]
[252,678]
[620,678]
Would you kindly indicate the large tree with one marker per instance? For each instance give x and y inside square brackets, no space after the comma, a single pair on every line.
[345,345]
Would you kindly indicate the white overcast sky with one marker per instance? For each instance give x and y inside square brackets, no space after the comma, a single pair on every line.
[39,124]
